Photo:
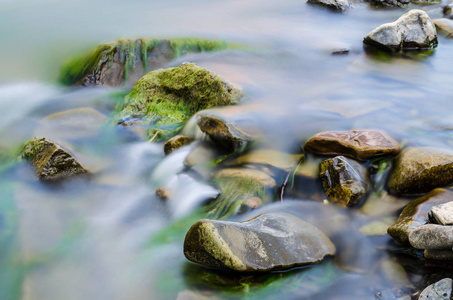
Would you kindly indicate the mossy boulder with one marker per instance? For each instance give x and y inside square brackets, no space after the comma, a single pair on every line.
[166,98]
[358,144]
[275,241]
[344,180]
[416,214]
[124,61]
[176,142]
[420,169]
[50,160]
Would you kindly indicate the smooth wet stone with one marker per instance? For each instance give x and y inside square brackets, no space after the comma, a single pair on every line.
[413,30]
[378,227]
[432,237]
[440,290]
[359,144]
[245,173]
[444,27]
[124,61]
[274,241]
[338,5]
[253,202]
[443,213]
[344,180]
[441,255]
[448,9]
[176,142]
[416,214]
[165,99]
[50,160]
[389,3]
[71,124]
[273,158]
[163,193]
[421,169]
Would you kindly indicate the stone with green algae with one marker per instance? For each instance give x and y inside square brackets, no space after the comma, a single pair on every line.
[274,241]
[176,142]
[124,61]
[50,160]
[165,99]
[420,169]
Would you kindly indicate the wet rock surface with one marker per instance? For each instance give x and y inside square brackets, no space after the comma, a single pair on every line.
[267,242]
[413,30]
[50,160]
[389,3]
[273,158]
[432,237]
[420,169]
[443,213]
[359,144]
[344,180]
[337,5]
[126,60]
[165,99]
[416,214]
[176,142]
[444,27]
[440,290]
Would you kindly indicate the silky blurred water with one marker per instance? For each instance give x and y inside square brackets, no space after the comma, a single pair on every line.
[108,236]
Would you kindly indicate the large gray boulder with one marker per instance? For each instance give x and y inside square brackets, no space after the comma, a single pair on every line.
[432,237]
[413,30]
[274,241]
[440,290]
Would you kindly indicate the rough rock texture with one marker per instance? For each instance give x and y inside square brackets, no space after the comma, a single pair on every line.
[413,30]
[416,214]
[432,237]
[166,98]
[444,27]
[126,60]
[420,169]
[443,213]
[50,160]
[71,124]
[267,242]
[176,142]
[338,5]
[359,144]
[344,180]
[440,290]
[389,3]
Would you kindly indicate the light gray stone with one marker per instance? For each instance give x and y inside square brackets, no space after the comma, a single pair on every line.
[413,30]
[432,236]
[443,213]
[339,5]
[440,290]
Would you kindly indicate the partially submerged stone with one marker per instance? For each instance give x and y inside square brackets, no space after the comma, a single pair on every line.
[438,255]
[345,181]
[441,290]
[165,99]
[432,237]
[163,193]
[338,5]
[412,31]
[443,213]
[444,27]
[416,214]
[268,242]
[176,142]
[273,158]
[71,124]
[126,60]
[420,169]
[359,144]
[50,160]
[389,3]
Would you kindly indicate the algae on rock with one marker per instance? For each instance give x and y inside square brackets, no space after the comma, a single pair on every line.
[124,61]
[166,98]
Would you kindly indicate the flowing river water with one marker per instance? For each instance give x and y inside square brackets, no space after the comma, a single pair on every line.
[110,237]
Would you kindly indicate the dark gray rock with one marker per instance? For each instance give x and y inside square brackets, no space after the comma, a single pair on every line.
[176,142]
[389,3]
[413,30]
[432,237]
[268,242]
[416,214]
[440,290]
[344,180]
[338,5]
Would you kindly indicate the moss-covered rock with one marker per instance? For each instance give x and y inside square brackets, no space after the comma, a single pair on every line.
[345,181]
[166,98]
[416,214]
[124,61]
[176,142]
[421,169]
[267,242]
[50,160]
[359,144]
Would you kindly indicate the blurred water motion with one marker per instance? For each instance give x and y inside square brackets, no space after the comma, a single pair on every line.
[109,236]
